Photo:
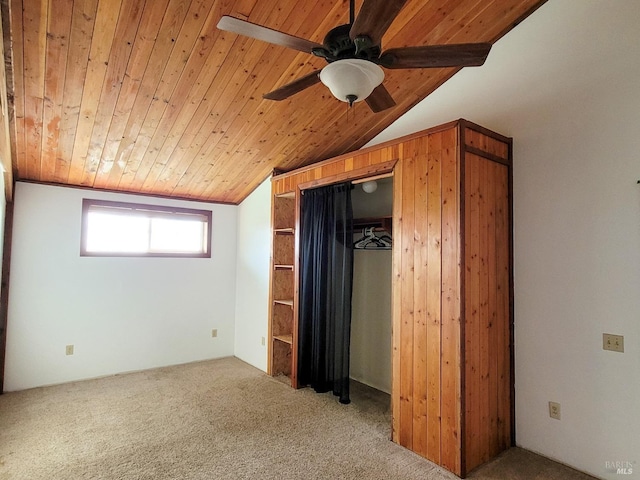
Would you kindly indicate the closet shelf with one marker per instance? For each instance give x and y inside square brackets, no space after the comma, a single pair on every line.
[284,338]
[284,301]
[382,223]
[282,267]
[284,231]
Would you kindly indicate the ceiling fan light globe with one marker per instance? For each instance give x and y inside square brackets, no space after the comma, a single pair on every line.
[351,78]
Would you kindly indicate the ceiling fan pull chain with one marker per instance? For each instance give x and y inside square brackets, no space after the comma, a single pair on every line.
[350,112]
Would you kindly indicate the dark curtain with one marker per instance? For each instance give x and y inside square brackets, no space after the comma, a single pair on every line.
[326,272]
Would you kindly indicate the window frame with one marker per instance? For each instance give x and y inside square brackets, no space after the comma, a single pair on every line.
[129,208]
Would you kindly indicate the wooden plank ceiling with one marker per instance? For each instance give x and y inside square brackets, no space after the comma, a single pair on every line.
[148,96]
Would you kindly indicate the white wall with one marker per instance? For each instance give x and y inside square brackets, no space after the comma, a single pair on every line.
[121,314]
[564,85]
[370,351]
[252,280]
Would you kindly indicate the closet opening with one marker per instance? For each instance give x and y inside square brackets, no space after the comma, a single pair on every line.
[365,356]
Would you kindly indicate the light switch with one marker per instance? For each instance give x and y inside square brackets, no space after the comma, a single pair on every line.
[615,343]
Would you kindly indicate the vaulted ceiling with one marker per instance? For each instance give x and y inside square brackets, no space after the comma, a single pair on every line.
[148,96]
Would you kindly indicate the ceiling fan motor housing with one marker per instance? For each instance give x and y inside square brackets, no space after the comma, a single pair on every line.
[338,45]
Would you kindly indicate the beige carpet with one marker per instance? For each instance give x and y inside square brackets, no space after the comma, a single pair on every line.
[220,419]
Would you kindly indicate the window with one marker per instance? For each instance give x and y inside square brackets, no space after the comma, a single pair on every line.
[115,229]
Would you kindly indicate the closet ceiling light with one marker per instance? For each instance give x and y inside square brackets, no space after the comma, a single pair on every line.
[370,186]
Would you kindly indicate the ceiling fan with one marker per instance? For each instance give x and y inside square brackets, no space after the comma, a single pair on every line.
[354,54]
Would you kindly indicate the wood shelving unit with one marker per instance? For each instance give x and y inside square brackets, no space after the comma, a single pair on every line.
[282,315]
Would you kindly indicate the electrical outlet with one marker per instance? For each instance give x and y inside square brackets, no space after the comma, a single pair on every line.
[554,410]
[214,332]
[614,343]
[69,349]
[262,341]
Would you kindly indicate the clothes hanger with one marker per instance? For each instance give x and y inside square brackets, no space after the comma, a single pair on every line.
[370,241]
[386,239]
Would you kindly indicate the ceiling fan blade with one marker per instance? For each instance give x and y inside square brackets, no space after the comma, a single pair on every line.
[248,29]
[294,87]
[438,56]
[380,99]
[374,18]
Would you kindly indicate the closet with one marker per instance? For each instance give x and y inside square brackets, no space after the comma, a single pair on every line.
[452,313]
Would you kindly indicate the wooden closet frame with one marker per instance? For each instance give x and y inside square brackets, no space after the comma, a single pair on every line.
[459,446]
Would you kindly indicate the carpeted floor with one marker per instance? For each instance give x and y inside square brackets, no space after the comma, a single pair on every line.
[220,419]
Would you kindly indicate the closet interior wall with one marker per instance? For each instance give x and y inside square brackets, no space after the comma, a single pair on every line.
[452,286]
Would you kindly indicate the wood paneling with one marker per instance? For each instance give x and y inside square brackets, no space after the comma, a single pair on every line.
[148,96]
[451,334]
[6,146]
[487,365]
[451,302]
